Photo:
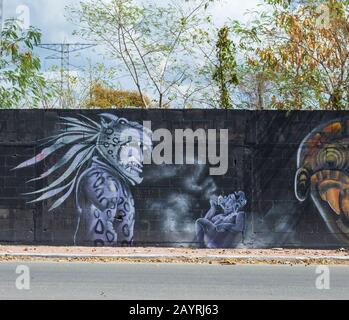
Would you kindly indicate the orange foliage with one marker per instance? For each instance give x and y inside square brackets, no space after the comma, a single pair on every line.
[314,53]
[106,98]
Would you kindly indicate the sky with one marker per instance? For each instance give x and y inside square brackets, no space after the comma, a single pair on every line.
[49,17]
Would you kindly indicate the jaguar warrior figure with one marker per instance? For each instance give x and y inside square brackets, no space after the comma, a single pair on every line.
[103,160]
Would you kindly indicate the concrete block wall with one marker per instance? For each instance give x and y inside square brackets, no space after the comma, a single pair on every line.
[263,149]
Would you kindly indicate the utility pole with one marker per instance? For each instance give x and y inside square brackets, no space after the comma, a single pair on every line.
[63,51]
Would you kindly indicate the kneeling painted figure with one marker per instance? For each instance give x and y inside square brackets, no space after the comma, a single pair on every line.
[222,222]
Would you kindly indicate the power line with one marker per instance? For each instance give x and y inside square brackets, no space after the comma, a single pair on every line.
[63,51]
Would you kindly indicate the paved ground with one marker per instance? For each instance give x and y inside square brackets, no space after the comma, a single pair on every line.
[171,281]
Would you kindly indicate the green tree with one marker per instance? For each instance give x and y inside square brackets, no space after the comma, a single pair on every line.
[21,84]
[225,73]
[154,45]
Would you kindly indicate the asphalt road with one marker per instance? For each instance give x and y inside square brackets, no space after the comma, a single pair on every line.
[170,281]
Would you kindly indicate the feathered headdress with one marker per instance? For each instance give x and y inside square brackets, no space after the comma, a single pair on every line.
[81,136]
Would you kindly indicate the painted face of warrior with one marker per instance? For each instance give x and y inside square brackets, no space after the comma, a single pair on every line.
[323,174]
[123,144]
[232,203]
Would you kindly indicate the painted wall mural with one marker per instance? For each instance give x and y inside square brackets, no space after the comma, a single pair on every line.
[323,175]
[112,151]
[119,178]
[222,221]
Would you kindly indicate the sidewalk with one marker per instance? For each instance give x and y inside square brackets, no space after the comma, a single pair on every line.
[174,255]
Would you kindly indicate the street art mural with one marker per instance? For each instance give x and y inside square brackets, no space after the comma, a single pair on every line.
[323,175]
[221,223]
[113,154]
[286,183]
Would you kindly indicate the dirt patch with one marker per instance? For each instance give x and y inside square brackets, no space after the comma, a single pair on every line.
[171,251]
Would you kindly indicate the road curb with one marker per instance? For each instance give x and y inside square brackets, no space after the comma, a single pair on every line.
[179,258]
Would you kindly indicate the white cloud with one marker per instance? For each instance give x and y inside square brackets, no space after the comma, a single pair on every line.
[232,9]
[49,15]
